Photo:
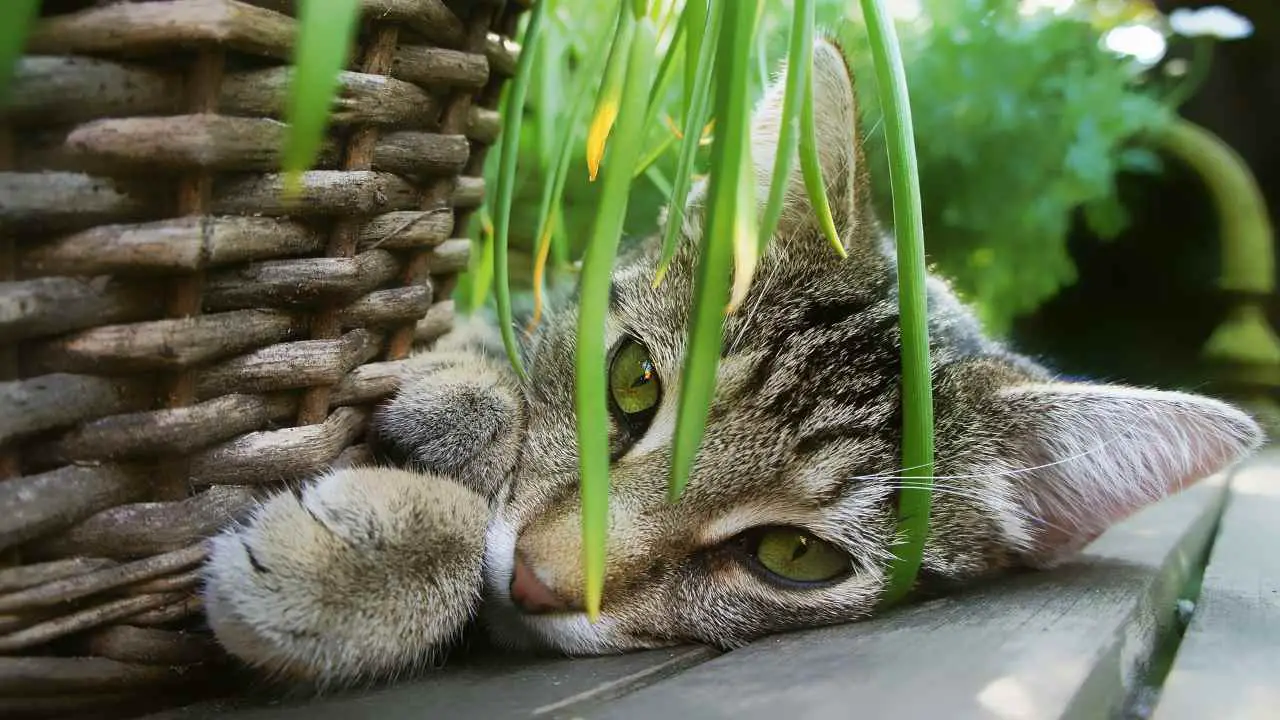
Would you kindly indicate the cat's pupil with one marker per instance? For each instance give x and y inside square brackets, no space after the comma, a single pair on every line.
[802,547]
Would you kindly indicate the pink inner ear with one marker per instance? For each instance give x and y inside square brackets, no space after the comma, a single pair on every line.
[1108,451]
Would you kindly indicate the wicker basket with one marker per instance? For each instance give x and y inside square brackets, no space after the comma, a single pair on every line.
[175,339]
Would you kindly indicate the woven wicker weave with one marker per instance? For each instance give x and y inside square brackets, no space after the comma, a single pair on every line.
[175,339]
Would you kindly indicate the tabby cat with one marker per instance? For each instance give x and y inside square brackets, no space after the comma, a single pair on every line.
[789,516]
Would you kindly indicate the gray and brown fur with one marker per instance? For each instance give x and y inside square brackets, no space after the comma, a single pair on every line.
[366,573]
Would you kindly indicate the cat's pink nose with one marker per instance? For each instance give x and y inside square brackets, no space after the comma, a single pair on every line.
[530,594]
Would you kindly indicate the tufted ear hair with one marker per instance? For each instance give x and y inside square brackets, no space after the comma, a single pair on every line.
[1095,454]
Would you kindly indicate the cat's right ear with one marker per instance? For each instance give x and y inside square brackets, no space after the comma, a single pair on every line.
[1087,456]
[839,155]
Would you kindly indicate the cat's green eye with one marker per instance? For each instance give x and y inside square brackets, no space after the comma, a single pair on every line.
[797,556]
[634,386]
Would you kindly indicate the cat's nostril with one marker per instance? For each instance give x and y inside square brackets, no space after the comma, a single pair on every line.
[530,594]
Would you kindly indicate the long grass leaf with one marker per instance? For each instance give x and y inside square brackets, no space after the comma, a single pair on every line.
[693,122]
[562,156]
[481,270]
[606,111]
[812,167]
[727,216]
[16,19]
[799,60]
[509,152]
[917,392]
[592,385]
[666,72]
[694,18]
[326,34]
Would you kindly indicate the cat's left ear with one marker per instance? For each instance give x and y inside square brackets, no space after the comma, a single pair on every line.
[839,154]
[1088,456]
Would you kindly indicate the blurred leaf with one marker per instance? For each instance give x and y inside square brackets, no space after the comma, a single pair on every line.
[16,19]
[326,35]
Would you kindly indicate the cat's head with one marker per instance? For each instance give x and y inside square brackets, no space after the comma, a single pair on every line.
[789,515]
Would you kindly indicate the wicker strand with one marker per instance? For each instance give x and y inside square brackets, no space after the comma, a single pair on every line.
[176,335]
[441,193]
[9,465]
[378,58]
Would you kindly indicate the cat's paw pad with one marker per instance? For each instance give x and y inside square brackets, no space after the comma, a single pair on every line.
[363,575]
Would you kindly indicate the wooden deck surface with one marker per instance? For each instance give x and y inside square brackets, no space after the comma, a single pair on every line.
[1076,642]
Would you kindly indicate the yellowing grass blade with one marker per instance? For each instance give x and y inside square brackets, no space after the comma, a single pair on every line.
[606,111]
[593,307]
[553,191]
[326,33]
[730,160]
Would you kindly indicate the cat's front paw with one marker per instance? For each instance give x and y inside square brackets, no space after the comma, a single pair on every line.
[458,413]
[361,576]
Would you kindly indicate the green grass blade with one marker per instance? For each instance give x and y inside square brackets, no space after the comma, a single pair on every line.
[562,156]
[597,270]
[799,60]
[666,71]
[509,152]
[547,94]
[326,34]
[812,168]
[694,18]
[694,120]
[730,211]
[917,391]
[481,270]
[654,155]
[16,19]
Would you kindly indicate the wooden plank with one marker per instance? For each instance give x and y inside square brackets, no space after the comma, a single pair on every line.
[1228,665]
[1062,644]
[509,687]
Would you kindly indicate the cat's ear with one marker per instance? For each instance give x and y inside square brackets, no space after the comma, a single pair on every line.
[1087,456]
[836,130]
[839,153]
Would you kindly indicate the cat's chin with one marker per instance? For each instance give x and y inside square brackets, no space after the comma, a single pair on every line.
[571,633]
